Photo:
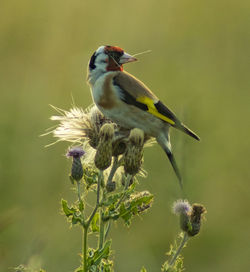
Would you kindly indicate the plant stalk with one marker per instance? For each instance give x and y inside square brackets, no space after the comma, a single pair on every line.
[87,224]
[115,165]
[182,244]
[128,178]
[79,191]
[85,238]
[100,177]
[101,233]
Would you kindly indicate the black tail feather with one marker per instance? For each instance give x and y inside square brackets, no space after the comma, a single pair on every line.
[174,165]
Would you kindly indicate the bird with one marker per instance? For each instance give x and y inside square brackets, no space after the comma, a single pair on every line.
[127,101]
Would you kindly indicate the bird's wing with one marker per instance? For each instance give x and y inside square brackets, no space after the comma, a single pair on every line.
[134,92]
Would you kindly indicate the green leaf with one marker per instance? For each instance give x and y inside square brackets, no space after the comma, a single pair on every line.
[96,256]
[113,214]
[76,219]
[81,206]
[112,199]
[125,214]
[143,269]
[90,176]
[94,223]
[137,203]
[103,253]
[66,209]
[106,266]
[79,269]
[72,212]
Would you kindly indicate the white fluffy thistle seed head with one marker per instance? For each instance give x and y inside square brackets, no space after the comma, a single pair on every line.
[181,206]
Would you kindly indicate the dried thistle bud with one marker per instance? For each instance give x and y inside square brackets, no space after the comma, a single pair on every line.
[183,209]
[103,155]
[76,169]
[134,153]
[195,219]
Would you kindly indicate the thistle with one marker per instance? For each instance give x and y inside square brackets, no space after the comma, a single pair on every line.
[76,169]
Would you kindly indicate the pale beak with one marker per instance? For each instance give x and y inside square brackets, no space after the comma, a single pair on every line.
[125,58]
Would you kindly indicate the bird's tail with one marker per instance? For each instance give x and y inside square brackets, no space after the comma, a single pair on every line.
[164,142]
[174,165]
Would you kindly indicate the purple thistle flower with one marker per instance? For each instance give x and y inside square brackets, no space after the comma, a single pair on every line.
[75,152]
[181,206]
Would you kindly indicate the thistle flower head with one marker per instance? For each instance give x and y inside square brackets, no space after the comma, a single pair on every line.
[75,152]
[181,206]
[76,170]
[79,126]
[190,216]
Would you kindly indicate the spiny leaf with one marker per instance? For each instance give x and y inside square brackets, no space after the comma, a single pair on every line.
[94,223]
[76,219]
[103,253]
[112,199]
[81,206]
[96,256]
[125,214]
[66,209]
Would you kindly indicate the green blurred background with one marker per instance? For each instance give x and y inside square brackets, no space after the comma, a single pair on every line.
[199,66]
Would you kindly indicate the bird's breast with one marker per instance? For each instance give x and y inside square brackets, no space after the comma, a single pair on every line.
[103,92]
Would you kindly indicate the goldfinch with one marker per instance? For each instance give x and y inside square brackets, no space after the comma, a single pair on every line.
[128,102]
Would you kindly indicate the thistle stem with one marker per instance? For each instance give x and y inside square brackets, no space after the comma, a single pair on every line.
[100,177]
[127,181]
[86,225]
[101,232]
[115,165]
[84,231]
[107,230]
[79,191]
[85,238]
[182,244]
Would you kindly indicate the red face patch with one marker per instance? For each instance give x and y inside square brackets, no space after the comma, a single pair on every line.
[113,65]
[114,53]
[109,48]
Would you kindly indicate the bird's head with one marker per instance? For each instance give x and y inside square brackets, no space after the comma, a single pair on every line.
[108,58]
